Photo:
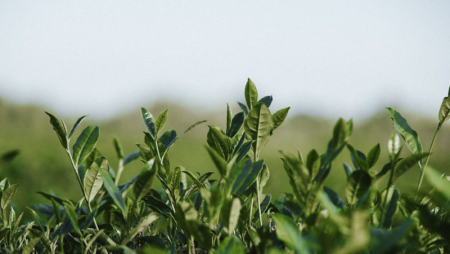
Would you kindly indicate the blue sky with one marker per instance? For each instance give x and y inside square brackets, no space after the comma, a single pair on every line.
[332,58]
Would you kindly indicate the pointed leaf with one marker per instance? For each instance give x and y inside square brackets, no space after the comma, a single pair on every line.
[251,94]
[168,138]
[407,163]
[161,121]
[236,124]
[243,107]
[85,144]
[149,122]
[279,117]
[193,126]
[229,116]
[8,196]
[230,245]
[339,133]
[131,157]
[59,129]
[243,175]
[289,233]
[93,179]
[143,184]
[219,161]
[373,155]
[70,211]
[391,206]
[408,134]
[113,191]
[76,125]
[219,141]
[444,110]
[358,184]
[259,126]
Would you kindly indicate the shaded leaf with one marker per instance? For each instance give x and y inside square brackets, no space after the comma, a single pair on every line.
[230,245]
[266,100]
[444,110]
[59,129]
[113,191]
[373,155]
[236,124]
[243,107]
[8,195]
[76,125]
[168,138]
[407,163]
[358,184]
[143,184]
[131,157]
[408,134]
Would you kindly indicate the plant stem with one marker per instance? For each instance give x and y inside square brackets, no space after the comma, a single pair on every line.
[119,171]
[424,167]
[259,201]
[75,168]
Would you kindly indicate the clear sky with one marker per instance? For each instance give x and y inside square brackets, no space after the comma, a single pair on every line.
[333,58]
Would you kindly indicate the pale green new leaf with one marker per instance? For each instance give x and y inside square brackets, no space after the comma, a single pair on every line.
[445,110]
[8,195]
[289,233]
[279,117]
[230,214]
[251,94]
[161,121]
[408,134]
[85,144]
[93,179]
[258,126]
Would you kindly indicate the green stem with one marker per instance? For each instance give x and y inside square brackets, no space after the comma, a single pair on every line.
[75,168]
[422,172]
[119,171]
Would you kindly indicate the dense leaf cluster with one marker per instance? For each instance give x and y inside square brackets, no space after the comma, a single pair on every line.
[229,212]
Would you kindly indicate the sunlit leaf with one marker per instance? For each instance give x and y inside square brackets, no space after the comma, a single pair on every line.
[59,129]
[161,121]
[279,117]
[251,94]
[408,134]
[93,179]
[258,126]
[76,125]
[85,144]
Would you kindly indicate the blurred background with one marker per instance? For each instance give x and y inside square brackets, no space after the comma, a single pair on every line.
[324,59]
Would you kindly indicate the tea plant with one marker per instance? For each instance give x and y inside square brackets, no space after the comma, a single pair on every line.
[226,210]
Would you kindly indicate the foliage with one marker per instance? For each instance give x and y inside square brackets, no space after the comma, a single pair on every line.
[228,211]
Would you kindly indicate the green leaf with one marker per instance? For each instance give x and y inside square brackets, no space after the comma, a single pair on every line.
[219,141]
[408,134]
[236,124]
[230,245]
[70,211]
[229,116]
[339,133]
[441,185]
[231,210]
[59,129]
[149,219]
[358,184]
[251,94]
[243,107]
[131,157]
[219,161]
[313,162]
[143,184]
[391,205]
[168,138]
[279,117]
[373,155]
[118,147]
[258,126]
[243,175]
[113,191]
[289,233]
[8,195]
[93,180]
[149,122]
[8,156]
[28,249]
[383,243]
[85,144]
[76,125]
[444,110]
[266,100]
[193,126]
[407,163]
[161,121]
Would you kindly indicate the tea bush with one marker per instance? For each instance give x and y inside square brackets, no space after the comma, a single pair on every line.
[228,211]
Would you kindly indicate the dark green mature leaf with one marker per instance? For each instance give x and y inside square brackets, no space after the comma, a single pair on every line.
[131,157]
[149,122]
[113,191]
[373,155]
[236,124]
[118,147]
[230,245]
[243,175]
[334,197]
[383,242]
[408,134]
[339,133]
[140,227]
[85,144]
[279,117]
[76,125]
[73,217]
[358,184]
[358,158]
[158,205]
[391,205]
[8,195]
[59,129]
[444,110]
[251,94]
[313,162]
[407,163]
[143,184]
[289,233]
[258,126]
[160,121]
[243,107]
[93,179]
[168,138]
[266,100]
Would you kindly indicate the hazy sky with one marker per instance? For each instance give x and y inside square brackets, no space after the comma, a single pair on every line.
[334,58]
